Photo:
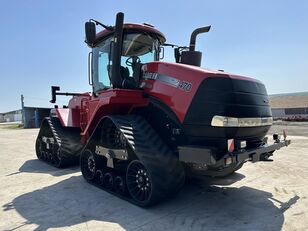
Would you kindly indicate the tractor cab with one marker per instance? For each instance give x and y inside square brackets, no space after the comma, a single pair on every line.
[117,56]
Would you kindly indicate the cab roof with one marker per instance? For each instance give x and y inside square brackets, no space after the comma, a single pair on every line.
[131,28]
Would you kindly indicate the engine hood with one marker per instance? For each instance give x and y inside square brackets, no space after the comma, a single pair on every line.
[198,73]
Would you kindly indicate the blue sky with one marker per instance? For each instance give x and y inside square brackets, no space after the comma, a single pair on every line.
[42,41]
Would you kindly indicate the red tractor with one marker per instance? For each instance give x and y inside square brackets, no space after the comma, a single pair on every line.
[147,124]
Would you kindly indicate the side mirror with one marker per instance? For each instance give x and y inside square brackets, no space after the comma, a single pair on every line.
[90,33]
[161,52]
[177,54]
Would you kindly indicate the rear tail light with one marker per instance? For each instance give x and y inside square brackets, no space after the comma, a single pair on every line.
[230,145]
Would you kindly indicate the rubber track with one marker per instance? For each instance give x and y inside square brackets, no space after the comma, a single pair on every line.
[151,150]
[68,140]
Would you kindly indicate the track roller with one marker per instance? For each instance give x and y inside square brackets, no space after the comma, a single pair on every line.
[99,177]
[120,185]
[108,180]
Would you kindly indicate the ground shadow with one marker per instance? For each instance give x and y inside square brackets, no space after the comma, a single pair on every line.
[222,181]
[196,207]
[37,166]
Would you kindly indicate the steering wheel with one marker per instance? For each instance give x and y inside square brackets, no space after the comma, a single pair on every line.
[132,60]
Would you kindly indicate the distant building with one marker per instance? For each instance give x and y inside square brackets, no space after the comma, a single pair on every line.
[32,116]
[11,116]
[292,106]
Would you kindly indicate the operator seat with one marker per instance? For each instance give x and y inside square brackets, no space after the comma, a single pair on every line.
[124,72]
[137,72]
[127,82]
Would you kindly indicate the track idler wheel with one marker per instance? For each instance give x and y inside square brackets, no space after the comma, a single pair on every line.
[108,181]
[139,183]
[120,185]
[39,149]
[88,165]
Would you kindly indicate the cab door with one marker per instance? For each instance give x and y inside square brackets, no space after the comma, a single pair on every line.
[101,66]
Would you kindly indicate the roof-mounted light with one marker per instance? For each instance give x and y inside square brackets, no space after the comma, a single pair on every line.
[148,24]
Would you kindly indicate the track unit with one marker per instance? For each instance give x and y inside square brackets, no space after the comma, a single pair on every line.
[145,172]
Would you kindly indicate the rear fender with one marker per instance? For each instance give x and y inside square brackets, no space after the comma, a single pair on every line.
[68,117]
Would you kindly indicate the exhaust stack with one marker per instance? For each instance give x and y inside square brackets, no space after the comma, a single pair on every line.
[191,56]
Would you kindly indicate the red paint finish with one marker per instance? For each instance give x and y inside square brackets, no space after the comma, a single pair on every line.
[71,116]
[86,110]
[68,117]
[178,99]
[76,101]
[107,102]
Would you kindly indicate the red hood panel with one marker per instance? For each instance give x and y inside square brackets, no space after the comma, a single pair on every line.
[176,84]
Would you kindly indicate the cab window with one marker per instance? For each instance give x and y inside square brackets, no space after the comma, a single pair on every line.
[100,61]
[136,46]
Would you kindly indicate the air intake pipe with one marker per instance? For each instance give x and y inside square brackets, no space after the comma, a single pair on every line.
[191,56]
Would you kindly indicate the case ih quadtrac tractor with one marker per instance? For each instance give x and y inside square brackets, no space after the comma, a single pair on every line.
[147,124]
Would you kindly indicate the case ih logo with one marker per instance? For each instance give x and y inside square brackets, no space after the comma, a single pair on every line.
[150,75]
[183,85]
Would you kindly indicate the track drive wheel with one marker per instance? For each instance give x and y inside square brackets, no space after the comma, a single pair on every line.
[88,165]
[140,184]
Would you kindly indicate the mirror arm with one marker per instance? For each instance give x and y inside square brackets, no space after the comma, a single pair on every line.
[101,24]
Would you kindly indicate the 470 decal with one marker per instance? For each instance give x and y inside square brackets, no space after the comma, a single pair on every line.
[186,86]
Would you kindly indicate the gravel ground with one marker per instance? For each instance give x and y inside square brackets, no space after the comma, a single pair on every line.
[262,196]
[292,128]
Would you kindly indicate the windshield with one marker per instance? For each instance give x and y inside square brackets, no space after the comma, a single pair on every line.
[139,45]
[143,46]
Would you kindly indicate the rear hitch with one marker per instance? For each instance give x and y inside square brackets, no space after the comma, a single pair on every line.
[265,157]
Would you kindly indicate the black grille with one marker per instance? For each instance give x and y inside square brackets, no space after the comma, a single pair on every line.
[226,97]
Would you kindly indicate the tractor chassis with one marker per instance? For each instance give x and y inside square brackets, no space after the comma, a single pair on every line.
[206,156]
